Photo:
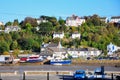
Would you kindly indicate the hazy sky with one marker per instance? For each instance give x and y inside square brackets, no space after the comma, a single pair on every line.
[19,9]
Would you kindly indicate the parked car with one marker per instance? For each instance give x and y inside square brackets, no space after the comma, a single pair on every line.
[99,74]
[79,75]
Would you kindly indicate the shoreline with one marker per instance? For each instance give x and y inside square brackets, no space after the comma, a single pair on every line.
[112,63]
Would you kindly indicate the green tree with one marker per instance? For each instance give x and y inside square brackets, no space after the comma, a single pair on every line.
[3,47]
[46,28]
[61,21]
[8,38]
[29,20]
[8,24]
[26,44]
[15,35]
[14,45]
[36,46]
[15,23]
[28,27]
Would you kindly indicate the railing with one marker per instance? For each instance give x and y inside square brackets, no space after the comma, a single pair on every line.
[16,75]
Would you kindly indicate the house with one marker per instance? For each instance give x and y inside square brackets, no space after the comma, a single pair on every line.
[41,20]
[111,48]
[104,19]
[55,51]
[83,52]
[115,19]
[11,29]
[76,35]
[58,35]
[74,21]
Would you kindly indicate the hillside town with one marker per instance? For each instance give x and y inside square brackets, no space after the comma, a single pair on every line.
[59,40]
[55,43]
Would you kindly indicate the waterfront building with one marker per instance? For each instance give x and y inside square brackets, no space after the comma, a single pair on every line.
[83,52]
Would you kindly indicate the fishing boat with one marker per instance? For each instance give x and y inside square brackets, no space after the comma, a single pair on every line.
[59,62]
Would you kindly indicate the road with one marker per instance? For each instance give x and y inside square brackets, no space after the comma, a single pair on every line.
[22,68]
[53,68]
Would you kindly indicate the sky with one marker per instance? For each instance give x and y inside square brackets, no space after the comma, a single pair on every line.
[19,9]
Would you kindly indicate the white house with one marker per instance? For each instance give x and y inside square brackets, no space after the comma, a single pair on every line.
[41,20]
[12,28]
[58,35]
[76,35]
[83,52]
[74,21]
[115,19]
[111,48]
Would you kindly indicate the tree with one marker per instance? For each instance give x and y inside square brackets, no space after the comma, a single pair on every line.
[56,40]
[8,38]
[36,46]
[15,35]
[8,24]
[16,52]
[46,28]
[94,20]
[73,29]
[14,45]
[61,21]
[5,53]
[28,27]
[53,20]
[26,44]
[15,23]
[3,47]
[29,20]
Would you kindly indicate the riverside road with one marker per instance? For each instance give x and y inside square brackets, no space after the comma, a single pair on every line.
[21,68]
[54,68]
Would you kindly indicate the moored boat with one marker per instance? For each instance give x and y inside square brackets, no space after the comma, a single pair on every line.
[34,59]
[31,59]
[59,62]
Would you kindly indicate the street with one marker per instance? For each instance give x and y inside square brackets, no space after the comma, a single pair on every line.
[53,68]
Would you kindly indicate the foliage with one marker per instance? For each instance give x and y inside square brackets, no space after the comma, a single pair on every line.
[46,28]
[15,23]
[5,53]
[14,45]
[3,47]
[29,20]
[94,33]
[25,44]
[8,24]
[16,52]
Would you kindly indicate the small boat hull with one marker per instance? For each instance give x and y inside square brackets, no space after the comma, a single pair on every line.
[60,62]
[34,60]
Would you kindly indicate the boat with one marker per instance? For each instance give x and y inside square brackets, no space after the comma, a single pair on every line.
[59,62]
[31,59]
[34,59]
[23,59]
